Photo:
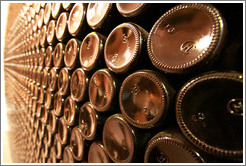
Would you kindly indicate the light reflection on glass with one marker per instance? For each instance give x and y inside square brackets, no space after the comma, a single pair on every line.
[204,42]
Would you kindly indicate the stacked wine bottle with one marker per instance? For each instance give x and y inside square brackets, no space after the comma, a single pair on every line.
[125,82]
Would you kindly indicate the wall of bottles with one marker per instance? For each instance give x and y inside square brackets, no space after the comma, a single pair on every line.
[125,82]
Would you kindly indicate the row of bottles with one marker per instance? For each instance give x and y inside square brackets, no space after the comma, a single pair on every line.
[105,82]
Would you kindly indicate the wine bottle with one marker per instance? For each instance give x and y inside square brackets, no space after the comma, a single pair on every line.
[58,55]
[124,48]
[91,52]
[187,38]
[170,146]
[145,98]
[62,27]
[103,88]
[214,120]
[97,153]
[79,85]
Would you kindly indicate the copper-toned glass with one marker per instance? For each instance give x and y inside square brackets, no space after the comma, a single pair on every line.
[54,72]
[52,122]
[41,58]
[76,19]
[91,51]
[64,81]
[56,10]
[123,47]
[98,154]
[130,9]
[47,13]
[70,111]
[67,6]
[43,36]
[79,85]
[102,90]
[58,104]
[171,147]
[71,56]
[68,155]
[64,131]
[119,139]
[77,143]
[51,33]
[49,96]
[58,55]
[61,26]
[41,18]
[216,109]
[97,13]
[88,121]
[144,98]
[48,57]
[186,37]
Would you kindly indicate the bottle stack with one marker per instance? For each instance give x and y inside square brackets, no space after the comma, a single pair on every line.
[125,82]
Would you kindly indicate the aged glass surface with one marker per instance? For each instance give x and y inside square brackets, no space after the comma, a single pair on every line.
[79,84]
[210,115]
[61,26]
[185,36]
[101,90]
[96,13]
[88,121]
[97,153]
[71,53]
[90,51]
[76,18]
[77,143]
[118,139]
[121,47]
[130,9]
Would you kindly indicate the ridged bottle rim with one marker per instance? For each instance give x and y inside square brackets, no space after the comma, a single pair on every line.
[84,80]
[218,32]
[99,50]
[58,55]
[120,118]
[51,32]
[77,136]
[71,29]
[93,118]
[131,13]
[63,81]
[47,13]
[98,23]
[48,57]
[162,91]
[155,141]
[68,153]
[58,104]
[70,58]
[112,89]
[61,24]
[64,133]
[70,118]
[186,131]
[97,145]
[137,48]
